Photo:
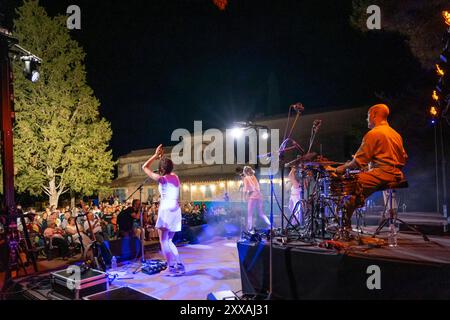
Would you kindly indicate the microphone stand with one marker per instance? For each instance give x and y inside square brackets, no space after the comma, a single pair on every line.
[314,130]
[269,295]
[272,192]
[80,238]
[141,222]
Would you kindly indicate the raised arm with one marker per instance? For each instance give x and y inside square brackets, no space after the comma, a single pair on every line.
[293,178]
[246,184]
[148,163]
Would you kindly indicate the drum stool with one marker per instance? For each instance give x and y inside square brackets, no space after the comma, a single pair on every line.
[390,188]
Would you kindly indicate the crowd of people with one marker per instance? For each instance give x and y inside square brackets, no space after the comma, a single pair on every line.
[63,227]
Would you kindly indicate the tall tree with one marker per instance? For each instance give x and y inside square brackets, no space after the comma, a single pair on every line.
[61,143]
[419,21]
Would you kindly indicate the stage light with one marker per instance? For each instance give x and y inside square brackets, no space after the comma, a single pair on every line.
[446,15]
[30,68]
[439,71]
[221,4]
[435,96]
[433,111]
[193,188]
[185,187]
[237,132]
[222,185]
[202,188]
[265,136]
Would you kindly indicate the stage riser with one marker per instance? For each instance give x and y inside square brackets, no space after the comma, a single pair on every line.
[304,275]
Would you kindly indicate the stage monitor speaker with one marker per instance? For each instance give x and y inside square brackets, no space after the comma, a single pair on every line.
[222,295]
[121,293]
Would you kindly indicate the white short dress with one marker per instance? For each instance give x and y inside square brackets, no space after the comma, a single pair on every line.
[294,198]
[169,213]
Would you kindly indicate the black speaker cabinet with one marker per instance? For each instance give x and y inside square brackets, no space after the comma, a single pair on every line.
[125,248]
[122,293]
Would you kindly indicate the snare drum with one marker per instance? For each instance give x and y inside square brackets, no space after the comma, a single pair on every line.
[343,186]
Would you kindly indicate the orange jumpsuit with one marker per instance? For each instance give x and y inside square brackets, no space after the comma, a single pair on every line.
[382,152]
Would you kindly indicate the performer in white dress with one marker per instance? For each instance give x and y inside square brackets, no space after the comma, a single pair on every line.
[169,214]
[254,197]
[295,197]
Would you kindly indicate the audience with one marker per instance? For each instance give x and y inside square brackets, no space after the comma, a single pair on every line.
[59,225]
[56,238]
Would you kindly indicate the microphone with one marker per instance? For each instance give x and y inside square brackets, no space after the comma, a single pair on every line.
[298,107]
[316,125]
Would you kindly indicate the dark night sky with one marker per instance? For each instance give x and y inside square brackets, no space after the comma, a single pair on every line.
[159,65]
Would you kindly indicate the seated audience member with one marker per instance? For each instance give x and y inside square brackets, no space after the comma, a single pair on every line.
[36,225]
[114,221]
[196,209]
[107,218]
[92,227]
[65,219]
[56,237]
[44,220]
[71,230]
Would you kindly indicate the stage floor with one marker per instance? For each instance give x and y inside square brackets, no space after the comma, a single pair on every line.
[210,266]
[215,265]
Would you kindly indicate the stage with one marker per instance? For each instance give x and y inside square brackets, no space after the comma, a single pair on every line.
[210,267]
[413,270]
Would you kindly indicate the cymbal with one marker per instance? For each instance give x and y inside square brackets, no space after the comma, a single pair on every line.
[306,158]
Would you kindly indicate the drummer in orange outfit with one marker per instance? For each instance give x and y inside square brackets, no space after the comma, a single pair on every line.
[382,152]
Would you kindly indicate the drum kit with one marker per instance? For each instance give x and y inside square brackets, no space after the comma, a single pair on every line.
[320,213]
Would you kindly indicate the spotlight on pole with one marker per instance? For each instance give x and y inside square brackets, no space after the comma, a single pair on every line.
[433,113]
[30,69]
[237,132]
[439,71]
[446,15]
[435,96]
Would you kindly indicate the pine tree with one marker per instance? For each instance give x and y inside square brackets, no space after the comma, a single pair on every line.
[60,141]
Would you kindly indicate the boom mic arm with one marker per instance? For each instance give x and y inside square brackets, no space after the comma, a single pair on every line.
[316,125]
[315,128]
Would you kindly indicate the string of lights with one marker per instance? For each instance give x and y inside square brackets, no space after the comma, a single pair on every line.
[441,96]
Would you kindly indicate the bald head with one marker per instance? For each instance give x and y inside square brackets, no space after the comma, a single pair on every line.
[377,114]
[381,110]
